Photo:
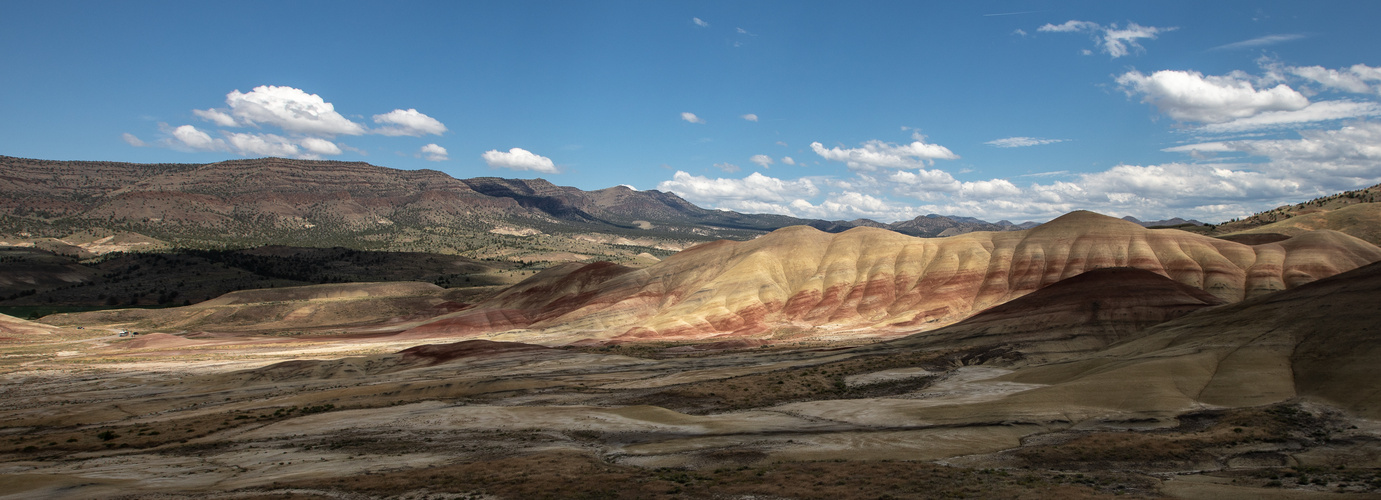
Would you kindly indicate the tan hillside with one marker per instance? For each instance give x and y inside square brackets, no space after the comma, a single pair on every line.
[1284,213]
[1362,220]
[15,328]
[799,282]
[289,308]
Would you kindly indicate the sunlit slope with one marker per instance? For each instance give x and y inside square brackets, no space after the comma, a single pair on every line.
[305,307]
[1320,340]
[15,328]
[1362,220]
[876,282]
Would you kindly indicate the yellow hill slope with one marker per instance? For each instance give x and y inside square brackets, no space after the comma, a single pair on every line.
[1362,220]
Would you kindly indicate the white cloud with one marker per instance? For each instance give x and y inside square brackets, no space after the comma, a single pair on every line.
[519,159]
[1070,26]
[1111,39]
[750,117]
[1354,150]
[285,107]
[1260,42]
[727,167]
[190,137]
[1021,142]
[1117,42]
[263,145]
[1319,162]
[433,152]
[408,122]
[763,161]
[217,117]
[1338,159]
[132,140]
[1315,112]
[788,160]
[730,193]
[990,189]
[876,154]
[1189,96]
[699,22]
[690,117]
[1352,79]
[319,146]
[1366,72]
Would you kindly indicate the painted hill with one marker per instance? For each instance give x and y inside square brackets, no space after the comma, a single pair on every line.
[800,281]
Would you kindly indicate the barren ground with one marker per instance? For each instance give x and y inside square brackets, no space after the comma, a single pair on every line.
[88,414]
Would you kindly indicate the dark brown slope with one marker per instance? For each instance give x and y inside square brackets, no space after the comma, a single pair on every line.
[1084,313]
[1320,340]
[413,357]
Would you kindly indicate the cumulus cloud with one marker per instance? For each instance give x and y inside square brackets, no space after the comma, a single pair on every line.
[433,152]
[754,190]
[1189,96]
[1352,151]
[690,117]
[307,122]
[519,159]
[263,145]
[132,140]
[190,138]
[319,146]
[1337,159]
[763,161]
[750,117]
[1112,40]
[699,22]
[727,167]
[788,160]
[1316,163]
[195,139]
[1021,142]
[876,154]
[284,107]
[408,122]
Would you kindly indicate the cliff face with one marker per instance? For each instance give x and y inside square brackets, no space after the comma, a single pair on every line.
[872,282]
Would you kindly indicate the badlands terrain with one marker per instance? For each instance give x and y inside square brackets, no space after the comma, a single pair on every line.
[1087,357]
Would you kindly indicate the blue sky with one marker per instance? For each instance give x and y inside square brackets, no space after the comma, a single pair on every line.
[999,110]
